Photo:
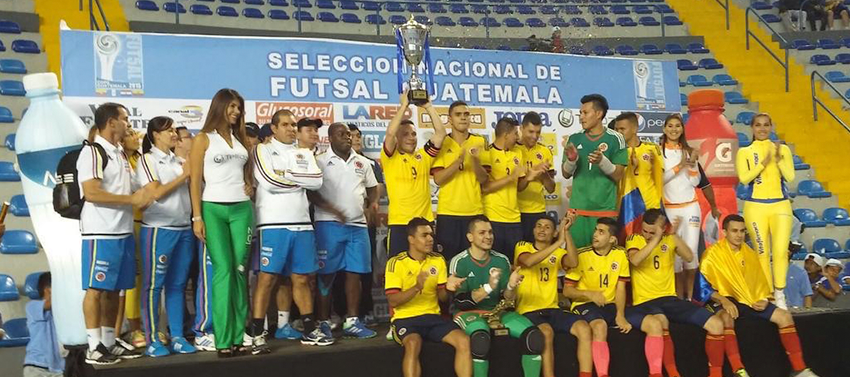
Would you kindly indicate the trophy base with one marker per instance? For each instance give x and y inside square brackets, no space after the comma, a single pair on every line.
[417,97]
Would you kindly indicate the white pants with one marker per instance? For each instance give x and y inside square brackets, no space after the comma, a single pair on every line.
[690,220]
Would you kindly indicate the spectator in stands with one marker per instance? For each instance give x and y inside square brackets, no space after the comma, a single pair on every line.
[537,44]
[815,10]
[798,290]
[788,10]
[252,131]
[43,358]
[828,285]
[837,7]
[813,264]
[557,42]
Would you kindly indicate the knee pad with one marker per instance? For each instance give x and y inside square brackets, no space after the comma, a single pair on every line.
[479,344]
[532,340]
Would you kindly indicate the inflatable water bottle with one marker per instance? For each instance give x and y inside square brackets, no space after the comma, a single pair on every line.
[49,130]
[710,133]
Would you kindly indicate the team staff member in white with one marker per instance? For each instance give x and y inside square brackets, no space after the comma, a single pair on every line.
[167,241]
[341,234]
[106,224]
[284,173]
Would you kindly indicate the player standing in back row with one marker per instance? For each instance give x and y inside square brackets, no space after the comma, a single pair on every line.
[532,200]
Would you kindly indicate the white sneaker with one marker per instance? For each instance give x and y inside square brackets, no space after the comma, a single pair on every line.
[779,299]
[205,342]
[247,340]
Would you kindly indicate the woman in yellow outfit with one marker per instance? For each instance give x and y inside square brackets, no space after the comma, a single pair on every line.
[764,168]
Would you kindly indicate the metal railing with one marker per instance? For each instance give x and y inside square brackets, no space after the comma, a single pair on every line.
[93,21]
[560,10]
[725,6]
[784,41]
[816,101]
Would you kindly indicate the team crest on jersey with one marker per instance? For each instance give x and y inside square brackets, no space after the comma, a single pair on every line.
[516,161]
[418,156]
[471,318]
[646,157]
[663,248]
[299,156]
[433,271]
[162,259]
[539,156]
[603,147]
[321,264]
[264,261]
[358,164]
[100,276]
[614,266]
[553,259]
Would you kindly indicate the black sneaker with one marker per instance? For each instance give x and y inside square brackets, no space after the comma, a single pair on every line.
[259,345]
[316,338]
[122,352]
[101,356]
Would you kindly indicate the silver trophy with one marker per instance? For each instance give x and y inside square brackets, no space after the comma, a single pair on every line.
[412,38]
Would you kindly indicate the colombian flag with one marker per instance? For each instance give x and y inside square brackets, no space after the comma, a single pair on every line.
[632,208]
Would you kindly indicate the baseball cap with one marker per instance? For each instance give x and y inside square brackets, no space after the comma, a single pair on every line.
[817,258]
[265,131]
[252,129]
[556,28]
[834,262]
[309,122]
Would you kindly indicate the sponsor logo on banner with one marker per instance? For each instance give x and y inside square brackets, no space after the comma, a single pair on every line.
[185,113]
[191,113]
[545,118]
[567,118]
[370,116]
[651,122]
[649,85]
[323,111]
[372,141]
[477,117]
[118,65]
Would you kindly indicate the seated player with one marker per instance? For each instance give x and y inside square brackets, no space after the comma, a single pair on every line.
[537,296]
[415,280]
[652,255]
[597,288]
[488,275]
[732,279]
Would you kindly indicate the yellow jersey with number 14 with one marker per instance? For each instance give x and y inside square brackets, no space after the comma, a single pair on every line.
[654,277]
[599,272]
[539,288]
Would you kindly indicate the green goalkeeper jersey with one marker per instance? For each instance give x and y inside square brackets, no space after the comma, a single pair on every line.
[477,273]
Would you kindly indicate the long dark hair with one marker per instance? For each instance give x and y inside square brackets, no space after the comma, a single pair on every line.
[216,116]
[156,124]
[683,141]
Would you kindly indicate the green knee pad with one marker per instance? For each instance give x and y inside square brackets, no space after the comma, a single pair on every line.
[479,341]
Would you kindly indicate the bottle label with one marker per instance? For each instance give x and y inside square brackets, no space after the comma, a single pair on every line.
[717,156]
[40,166]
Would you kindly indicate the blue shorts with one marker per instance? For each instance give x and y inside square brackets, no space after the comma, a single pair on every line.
[608,313]
[676,310]
[343,248]
[745,311]
[286,252]
[431,327]
[109,264]
[561,321]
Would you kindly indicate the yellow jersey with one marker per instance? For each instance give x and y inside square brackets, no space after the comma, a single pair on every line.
[401,274]
[501,205]
[408,183]
[654,277]
[733,273]
[532,199]
[539,287]
[461,195]
[599,272]
[647,176]
[765,184]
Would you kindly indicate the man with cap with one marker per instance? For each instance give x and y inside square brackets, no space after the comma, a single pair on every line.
[828,285]
[798,290]
[265,133]
[252,130]
[308,133]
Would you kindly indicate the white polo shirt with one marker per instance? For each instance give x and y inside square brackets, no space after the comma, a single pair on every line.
[101,220]
[344,186]
[173,210]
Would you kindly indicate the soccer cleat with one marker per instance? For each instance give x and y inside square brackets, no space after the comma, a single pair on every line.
[779,299]
[287,332]
[259,345]
[101,356]
[205,342]
[316,338]
[325,326]
[122,352]
[390,335]
[181,345]
[156,349]
[804,373]
[356,329]
[741,373]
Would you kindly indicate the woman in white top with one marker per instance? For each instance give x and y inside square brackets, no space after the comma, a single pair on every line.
[167,242]
[681,177]
[222,213]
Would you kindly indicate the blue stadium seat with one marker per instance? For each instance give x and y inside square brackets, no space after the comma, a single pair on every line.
[375,19]
[2,47]
[327,17]
[490,21]
[397,19]
[9,27]
[12,88]
[579,22]
[672,21]
[350,18]
[252,13]
[836,216]
[578,50]
[303,15]
[812,189]
[771,18]
[686,65]
[809,218]
[10,142]
[200,9]
[761,5]
[683,99]
[7,171]
[642,9]
[254,2]
[699,80]
[6,115]
[348,5]
[821,59]
[710,63]
[459,9]
[535,22]
[620,9]
[626,50]
[558,21]
[664,9]
[31,285]
[828,44]
[174,8]
[436,8]
[548,10]
[572,9]
[650,49]
[18,242]
[12,66]
[415,8]
[302,3]
[278,14]
[602,51]
[498,9]
[697,48]
[370,6]
[603,22]
[597,9]
[468,22]
[18,206]
[423,20]
[743,140]
[278,3]
[735,98]
[226,11]
[445,21]
[230,1]
[626,22]
[843,58]
[799,164]
[17,331]
[25,46]
[8,289]
[798,256]
[146,5]
[394,7]
[724,80]
[837,76]
[325,4]
[675,48]
[825,246]
[745,117]
[526,10]
[513,22]
[802,45]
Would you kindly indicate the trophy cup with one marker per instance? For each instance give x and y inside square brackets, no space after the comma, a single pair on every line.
[412,40]
[493,317]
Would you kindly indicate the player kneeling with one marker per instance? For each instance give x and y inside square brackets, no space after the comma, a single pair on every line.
[415,280]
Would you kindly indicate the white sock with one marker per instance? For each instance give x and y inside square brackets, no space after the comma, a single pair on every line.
[108,334]
[93,336]
[350,321]
[282,318]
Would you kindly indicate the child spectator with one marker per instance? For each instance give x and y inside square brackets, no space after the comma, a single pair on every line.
[43,358]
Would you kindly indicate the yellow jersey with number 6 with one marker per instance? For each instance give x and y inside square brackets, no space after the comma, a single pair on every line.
[654,277]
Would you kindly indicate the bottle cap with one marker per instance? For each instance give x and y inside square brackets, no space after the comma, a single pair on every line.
[36,81]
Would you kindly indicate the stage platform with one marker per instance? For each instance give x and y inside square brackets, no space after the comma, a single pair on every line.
[824,337]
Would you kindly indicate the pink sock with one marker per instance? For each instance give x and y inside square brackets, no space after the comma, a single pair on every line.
[601,357]
[654,348]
